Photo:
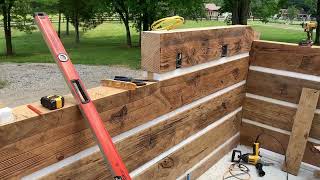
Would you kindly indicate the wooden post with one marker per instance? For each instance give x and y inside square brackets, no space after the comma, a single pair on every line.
[300,130]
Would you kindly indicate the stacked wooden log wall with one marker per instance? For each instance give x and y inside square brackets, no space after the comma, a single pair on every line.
[277,74]
[180,125]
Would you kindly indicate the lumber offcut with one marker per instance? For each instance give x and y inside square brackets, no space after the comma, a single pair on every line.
[118,84]
[164,51]
[300,130]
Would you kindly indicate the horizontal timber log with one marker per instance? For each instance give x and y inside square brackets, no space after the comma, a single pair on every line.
[175,164]
[275,115]
[149,143]
[249,132]
[208,163]
[284,56]
[160,49]
[278,87]
[33,142]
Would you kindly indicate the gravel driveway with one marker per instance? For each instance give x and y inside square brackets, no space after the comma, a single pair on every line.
[29,82]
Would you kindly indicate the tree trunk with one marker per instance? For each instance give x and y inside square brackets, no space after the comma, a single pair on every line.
[145,21]
[124,16]
[235,12]
[240,11]
[6,12]
[139,30]
[67,25]
[317,40]
[76,28]
[59,24]
[126,23]
[244,12]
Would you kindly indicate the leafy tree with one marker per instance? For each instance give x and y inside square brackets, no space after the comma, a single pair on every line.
[264,9]
[145,12]
[121,7]
[49,7]
[283,4]
[292,12]
[82,13]
[150,11]
[17,11]
[311,6]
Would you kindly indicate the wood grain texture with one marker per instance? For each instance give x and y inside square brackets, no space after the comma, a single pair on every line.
[184,89]
[249,132]
[31,142]
[284,56]
[278,87]
[300,130]
[276,115]
[147,144]
[197,172]
[27,123]
[118,84]
[160,49]
[175,164]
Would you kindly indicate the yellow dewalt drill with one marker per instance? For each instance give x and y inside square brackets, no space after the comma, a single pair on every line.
[248,158]
[308,27]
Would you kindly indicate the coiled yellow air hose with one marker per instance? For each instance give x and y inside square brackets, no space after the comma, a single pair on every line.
[167,23]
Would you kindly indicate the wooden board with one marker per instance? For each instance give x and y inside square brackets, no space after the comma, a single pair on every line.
[147,144]
[278,87]
[175,164]
[60,135]
[249,132]
[197,172]
[160,49]
[300,130]
[275,115]
[118,84]
[284,56]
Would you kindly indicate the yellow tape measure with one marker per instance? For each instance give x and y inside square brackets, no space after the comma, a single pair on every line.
[52,102]
[167,23]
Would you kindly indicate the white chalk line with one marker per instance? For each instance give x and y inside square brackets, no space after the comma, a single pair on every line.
[313,140]
[286,73]
[276,101]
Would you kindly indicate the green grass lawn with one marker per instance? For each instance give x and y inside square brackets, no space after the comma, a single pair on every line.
[106,45]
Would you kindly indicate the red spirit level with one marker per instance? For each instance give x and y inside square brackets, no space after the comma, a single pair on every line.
[79,92]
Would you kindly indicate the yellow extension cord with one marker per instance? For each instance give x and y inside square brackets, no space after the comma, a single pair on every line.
[167,23]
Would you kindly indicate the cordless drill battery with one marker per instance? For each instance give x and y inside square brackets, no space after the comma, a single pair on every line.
[52,102]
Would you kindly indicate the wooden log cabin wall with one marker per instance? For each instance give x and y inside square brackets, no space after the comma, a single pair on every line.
[179,125]
[278,73]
